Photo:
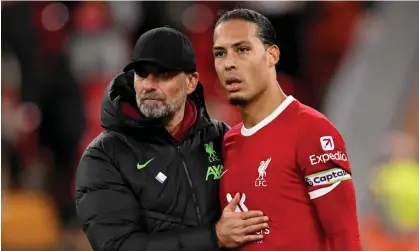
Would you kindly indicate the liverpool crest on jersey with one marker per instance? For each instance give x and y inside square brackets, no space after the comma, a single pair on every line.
[261,179]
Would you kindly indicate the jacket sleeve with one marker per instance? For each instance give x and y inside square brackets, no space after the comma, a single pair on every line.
[111,215]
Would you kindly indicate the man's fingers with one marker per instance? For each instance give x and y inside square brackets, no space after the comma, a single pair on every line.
[255,221]
[255,228]
[251,238]
[233,203]
[250,214]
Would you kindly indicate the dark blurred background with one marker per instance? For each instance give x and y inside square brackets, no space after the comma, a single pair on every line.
[357,62]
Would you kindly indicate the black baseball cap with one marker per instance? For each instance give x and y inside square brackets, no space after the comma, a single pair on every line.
[165,47]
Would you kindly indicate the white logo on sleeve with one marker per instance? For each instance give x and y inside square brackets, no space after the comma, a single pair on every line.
[327,143]
[324,158]
[261,179]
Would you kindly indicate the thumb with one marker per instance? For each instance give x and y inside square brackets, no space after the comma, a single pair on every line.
[231,207]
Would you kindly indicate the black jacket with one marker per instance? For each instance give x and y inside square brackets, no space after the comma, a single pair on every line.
[140,189]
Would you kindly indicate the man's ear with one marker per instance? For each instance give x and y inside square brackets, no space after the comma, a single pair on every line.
[192,82]
[273,55]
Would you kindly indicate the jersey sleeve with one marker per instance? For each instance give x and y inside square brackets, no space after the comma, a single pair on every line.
[322,158]
[325,165]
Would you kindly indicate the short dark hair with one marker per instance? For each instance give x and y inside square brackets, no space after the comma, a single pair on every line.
[265,32]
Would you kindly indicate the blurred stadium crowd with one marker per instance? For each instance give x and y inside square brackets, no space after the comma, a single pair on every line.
[57,58]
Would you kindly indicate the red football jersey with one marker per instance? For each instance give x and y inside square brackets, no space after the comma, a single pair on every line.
[293,166]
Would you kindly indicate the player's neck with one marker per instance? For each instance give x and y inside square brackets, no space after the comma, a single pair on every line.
[262,106]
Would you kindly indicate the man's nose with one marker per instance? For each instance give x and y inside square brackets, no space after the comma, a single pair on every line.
[150,82]
[230,62]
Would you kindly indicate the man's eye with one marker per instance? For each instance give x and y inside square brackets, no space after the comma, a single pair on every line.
[219,54]
[243,49]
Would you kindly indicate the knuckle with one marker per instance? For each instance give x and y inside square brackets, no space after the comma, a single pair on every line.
[236,240]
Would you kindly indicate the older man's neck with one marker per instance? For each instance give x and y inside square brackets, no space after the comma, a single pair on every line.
[172,125]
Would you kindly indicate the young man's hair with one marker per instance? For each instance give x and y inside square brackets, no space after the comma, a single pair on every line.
[265,32]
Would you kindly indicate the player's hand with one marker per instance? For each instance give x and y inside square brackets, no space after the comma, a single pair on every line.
[237,228]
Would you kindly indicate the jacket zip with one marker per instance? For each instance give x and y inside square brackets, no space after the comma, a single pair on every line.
[198,211]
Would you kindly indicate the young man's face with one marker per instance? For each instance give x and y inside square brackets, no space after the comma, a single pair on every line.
[159,93]
[241,60]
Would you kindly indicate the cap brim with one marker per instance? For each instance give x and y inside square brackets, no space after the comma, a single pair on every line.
[133,64]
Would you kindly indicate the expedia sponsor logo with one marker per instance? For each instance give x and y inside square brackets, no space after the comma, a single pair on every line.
[327,177]
[317,159]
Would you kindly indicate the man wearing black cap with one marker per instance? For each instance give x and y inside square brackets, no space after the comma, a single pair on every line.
[150,181]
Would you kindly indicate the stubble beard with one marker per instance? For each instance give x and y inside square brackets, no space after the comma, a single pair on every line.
[239,101]
[161,109]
